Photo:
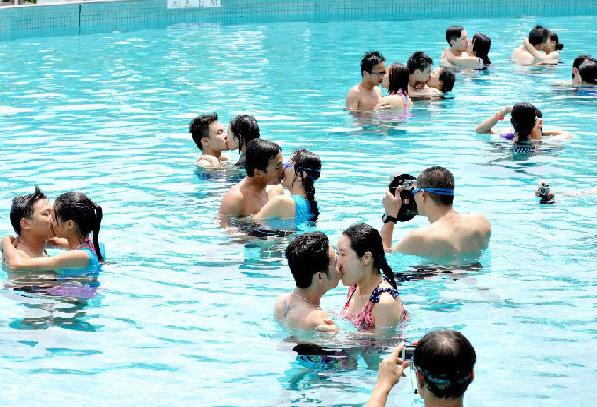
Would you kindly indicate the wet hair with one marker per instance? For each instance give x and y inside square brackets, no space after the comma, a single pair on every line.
[369,60]
[538,35]
[453,33]
[419,60]
[245,128]
[307,166]
[259,154]
[553,37]
[523,119]
[446,360]
[398,79]
[437,177]
[22,207]
[199,127]
[308,254]
[76,206]
[447,78]
[481,47]
[365,238]
[588,72]
[578,61]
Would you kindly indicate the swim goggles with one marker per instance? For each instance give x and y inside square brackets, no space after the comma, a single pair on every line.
[437,191]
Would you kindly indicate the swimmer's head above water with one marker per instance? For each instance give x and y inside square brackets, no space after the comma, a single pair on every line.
[304,168]
[31,214]
[578,61]
[480,46]
[312,261]
[208,133]
[527,121]
[242,129]
[77,215]
[457,38]
[538,37]
[419,67]
[372,67]
[396,79]
[264,161]
[442,78]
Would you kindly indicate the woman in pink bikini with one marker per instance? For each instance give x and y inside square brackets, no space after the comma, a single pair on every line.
[372,303]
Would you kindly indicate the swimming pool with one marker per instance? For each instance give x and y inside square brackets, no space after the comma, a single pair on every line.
[184,315]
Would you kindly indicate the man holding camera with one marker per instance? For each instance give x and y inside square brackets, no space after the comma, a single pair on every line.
[443,362]
[449,234]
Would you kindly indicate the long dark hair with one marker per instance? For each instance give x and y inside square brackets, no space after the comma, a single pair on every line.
[481,47]
[365,238]
[245,128]
[307,166]
[398,79]
[87,215]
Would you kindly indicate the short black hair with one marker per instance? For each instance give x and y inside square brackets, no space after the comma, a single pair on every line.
[369,60]
[588,72]
[398,79]
[538,35]
[259,154]
[22,207]
[308,254]
[523,119]
[453,32]
[553,37]
[578,61]
[199,127]
[446,360]
[419,60]
[481,47]
[447,78]
[437,177]
[245,128]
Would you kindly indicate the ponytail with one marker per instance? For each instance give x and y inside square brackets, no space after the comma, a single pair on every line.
[308,184]
[99,214]
[307,165]
[385,268]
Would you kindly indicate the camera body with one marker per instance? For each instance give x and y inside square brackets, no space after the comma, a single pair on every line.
[408,352]
[544,192]
[409,206]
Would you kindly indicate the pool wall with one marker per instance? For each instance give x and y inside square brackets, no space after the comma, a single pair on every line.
[128,15]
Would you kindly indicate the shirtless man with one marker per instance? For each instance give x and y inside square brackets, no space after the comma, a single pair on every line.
[528,52]
[312,262]
[449,234]
[264,167]
[211,138]
[366,95]
[456,55]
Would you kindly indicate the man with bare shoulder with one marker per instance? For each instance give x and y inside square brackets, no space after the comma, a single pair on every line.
[366,95]
[449,234]
[211,138]
[312,262]
[264,167]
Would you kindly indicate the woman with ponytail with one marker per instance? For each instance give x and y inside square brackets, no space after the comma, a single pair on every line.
[76,217]
[300,175]
[372,303]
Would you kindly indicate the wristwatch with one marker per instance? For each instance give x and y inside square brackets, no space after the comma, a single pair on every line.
[385,218]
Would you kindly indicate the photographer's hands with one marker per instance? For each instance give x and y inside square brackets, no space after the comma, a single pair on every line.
[390,371]
[392,203]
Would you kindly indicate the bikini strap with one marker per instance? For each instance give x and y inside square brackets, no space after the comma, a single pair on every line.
[374,298]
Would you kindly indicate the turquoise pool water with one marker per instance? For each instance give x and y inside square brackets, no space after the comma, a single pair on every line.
[184,314]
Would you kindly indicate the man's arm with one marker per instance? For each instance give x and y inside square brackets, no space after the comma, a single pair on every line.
[557,135]
[487,124]
[540,58]
[319,320]
[281,206]
[71,259]
[392,204]
[463,61]
[390,371]
[231,206]
[352,100]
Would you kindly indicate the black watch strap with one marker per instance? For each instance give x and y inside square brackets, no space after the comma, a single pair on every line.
[385,218]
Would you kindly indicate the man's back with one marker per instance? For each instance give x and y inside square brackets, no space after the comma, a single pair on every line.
[456,234]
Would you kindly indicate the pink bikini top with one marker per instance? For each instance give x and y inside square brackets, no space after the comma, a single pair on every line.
[364,320]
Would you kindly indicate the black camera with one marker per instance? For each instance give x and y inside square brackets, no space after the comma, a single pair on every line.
[408,210]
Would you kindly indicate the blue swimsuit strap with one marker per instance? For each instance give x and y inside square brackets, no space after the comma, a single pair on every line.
[374,298]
